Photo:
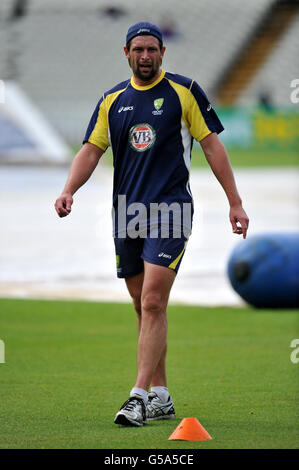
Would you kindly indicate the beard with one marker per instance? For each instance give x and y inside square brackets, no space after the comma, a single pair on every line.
[147,74]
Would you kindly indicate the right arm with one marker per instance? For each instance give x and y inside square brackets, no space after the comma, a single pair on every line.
[81,169]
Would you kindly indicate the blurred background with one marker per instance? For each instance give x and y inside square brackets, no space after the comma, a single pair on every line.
[57,59]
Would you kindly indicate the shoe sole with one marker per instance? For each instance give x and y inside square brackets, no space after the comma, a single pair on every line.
[162,417]
[124,421]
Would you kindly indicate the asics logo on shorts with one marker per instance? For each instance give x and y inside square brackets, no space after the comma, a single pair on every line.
[164,255]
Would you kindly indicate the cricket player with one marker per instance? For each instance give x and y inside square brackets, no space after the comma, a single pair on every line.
[150,121]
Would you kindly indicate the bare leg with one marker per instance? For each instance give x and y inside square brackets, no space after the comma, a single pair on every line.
[150,292]
[152,342]
[159,377]
[134,285]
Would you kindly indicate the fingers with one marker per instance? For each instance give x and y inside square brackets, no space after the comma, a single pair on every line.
[239,229]
[63,205]
[240,224]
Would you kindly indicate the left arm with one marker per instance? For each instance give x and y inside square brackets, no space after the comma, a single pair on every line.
[218,160]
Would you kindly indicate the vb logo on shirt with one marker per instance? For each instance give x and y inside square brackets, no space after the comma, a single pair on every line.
[142,137]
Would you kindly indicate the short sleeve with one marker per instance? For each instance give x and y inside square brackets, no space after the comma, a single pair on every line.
[202,118]
[97,130]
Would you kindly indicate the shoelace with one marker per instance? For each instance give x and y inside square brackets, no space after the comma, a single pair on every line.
[131,404]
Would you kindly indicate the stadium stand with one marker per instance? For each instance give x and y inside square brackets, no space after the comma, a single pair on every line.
[64,55]
[252,56]
[281,67]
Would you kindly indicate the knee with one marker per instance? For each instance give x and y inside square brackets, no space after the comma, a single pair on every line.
[152,303]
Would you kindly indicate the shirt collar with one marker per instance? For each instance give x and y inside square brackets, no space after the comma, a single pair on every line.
[147,87]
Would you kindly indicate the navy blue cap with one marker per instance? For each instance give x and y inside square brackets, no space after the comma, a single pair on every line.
[144,29]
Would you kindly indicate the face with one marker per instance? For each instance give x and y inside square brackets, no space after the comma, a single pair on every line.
[145,58]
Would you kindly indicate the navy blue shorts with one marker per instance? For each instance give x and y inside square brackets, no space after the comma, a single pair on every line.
[130,253]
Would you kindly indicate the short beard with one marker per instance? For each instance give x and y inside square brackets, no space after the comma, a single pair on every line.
[144,77]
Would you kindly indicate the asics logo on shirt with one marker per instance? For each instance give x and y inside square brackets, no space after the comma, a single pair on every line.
[125,108]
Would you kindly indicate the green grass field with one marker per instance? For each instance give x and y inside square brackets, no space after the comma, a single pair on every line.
[70,365]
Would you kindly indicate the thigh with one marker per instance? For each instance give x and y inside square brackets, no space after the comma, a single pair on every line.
[157,283]
[134,285]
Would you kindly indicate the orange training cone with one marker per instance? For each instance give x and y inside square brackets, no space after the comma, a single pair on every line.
[190,429]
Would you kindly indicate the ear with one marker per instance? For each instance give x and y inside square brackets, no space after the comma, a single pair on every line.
[163,51]
[127,53]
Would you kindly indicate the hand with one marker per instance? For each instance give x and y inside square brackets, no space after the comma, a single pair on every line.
[63,204]
[239,220]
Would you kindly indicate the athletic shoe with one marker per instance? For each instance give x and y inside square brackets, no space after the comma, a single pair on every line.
[132,412]
[156,409]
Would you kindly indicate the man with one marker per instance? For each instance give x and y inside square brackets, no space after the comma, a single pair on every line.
[150,121]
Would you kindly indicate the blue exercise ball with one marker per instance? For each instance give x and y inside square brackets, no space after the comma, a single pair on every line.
[264,270]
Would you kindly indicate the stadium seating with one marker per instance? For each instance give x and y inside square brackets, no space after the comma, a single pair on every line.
[65,54]
[281,67]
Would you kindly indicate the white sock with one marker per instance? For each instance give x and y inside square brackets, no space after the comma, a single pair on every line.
[162,393]
[141,392]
